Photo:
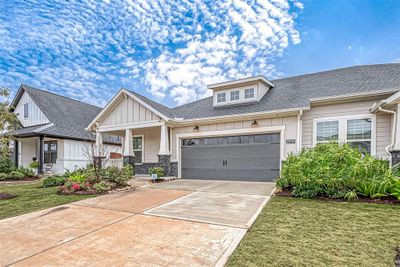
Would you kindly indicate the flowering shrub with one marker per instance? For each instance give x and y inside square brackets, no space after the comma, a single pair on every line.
[76,187]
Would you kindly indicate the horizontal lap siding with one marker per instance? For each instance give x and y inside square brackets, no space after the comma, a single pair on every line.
[383,134]
[347,109]
[289,122]
[151,143]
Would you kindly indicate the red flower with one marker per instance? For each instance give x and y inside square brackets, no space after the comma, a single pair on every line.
[76,187]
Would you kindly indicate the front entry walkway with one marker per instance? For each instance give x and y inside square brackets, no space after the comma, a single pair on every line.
[177,223]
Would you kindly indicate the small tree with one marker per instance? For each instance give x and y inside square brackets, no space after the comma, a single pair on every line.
[93,153]
[8,122]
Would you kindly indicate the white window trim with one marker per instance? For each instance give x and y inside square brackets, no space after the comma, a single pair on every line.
[230,95]
[221,93]
[28,110]
[254,93]
[134,150]
[241,99]
[343,128]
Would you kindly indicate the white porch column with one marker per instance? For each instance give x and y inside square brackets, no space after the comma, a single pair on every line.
[98,144]
[164,141]
[128,143]
[396,145]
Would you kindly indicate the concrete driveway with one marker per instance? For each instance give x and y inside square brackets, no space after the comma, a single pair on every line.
[177,223]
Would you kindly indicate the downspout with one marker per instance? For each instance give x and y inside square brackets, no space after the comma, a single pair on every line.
[393,127]
[299,130]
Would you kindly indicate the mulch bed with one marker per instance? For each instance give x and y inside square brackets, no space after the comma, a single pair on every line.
[4,195]
[25,179]
[80,192]
[385,200]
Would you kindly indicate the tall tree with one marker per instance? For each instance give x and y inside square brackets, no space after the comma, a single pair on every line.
[8,122]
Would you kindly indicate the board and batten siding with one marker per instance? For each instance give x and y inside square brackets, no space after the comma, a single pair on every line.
[383,124]
[36,116]
[128,110]
[290,124]
[75,154]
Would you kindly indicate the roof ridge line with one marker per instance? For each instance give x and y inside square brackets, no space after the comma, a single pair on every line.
[52,93]
[332,70]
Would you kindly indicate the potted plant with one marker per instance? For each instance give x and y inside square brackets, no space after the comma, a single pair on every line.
[34,165]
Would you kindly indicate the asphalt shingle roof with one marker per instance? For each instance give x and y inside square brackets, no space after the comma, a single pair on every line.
[68,117]
[296,92]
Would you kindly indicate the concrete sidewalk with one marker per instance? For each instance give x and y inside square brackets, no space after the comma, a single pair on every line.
[177,223]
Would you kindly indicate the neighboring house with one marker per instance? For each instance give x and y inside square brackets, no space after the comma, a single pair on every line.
[248,126]
[53,131]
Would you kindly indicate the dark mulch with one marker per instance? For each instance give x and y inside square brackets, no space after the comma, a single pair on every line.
[80,192]
[26,178]
[4,195]
[397,259]
[384,200]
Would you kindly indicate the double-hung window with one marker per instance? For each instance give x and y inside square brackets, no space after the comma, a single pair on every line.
[356,131]
[359,134]
[221,97]
[50,152]
[138,149]
[249,93]
[235,95]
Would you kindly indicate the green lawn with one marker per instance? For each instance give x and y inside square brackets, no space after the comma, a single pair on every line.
[299,232]
[32,197]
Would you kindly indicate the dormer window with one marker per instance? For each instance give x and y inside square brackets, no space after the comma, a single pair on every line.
[221,97]
[249,93]
[235,95]
[243,91]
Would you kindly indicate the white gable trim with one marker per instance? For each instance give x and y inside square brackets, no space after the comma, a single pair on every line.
[115,100]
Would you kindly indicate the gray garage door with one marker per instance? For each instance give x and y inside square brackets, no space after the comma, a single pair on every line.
[245,157]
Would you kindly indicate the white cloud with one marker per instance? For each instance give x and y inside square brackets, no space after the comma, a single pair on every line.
[172,49]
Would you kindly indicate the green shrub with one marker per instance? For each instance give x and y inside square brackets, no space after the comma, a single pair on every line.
[3,176]
[334,170]
[6,164]
[16,175]
[119,176]
[34,165]
[54,180]
[78,177]
[351,196]
[26,171]
[102,187]
[157,170]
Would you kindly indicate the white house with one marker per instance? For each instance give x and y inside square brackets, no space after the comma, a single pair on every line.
[248,126]
[53,131]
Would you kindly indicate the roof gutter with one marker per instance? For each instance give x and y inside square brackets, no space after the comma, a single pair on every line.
[209,120]
[394,123]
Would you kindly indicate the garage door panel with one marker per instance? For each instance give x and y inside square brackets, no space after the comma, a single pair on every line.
[255,159]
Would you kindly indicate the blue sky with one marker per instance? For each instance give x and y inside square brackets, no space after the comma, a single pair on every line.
[170,50]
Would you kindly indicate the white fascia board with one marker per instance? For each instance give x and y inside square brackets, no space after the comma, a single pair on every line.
[145,105]
[249,116]
[110,104]
[240,81]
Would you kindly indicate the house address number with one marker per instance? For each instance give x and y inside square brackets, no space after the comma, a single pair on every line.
[290,141]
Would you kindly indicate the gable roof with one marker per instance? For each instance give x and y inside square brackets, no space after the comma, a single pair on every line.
[68,117]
